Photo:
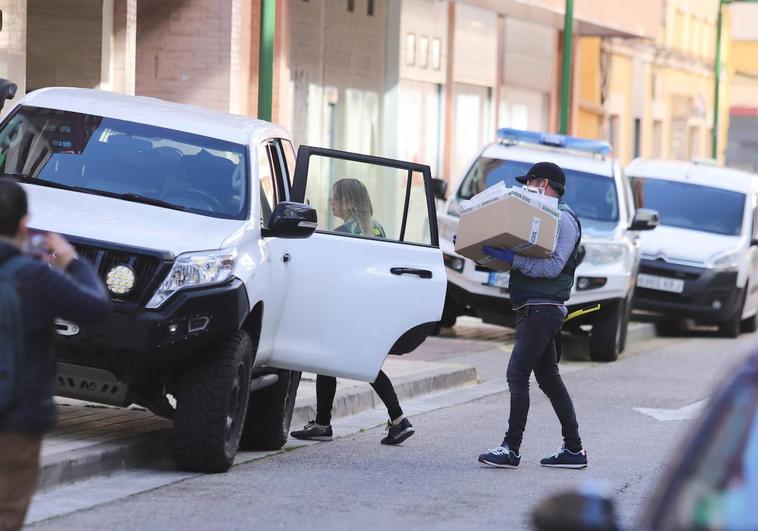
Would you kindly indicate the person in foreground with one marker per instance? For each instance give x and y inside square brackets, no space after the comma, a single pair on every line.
[539,288]
[33,292]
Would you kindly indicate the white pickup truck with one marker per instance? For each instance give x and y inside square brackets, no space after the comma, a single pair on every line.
[221,253]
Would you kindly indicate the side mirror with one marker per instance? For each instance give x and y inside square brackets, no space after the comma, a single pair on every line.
[7,91]
[645,219]
[580,254]
[575,511]
[439,188]
[292,220]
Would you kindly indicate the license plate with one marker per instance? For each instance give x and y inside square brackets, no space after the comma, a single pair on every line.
[672,285]
[499,280]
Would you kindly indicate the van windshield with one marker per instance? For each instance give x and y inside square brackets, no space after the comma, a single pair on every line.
[691,206]
[129,160]
[590,196]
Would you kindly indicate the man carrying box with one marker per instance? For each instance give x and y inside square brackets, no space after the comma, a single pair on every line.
[539,287]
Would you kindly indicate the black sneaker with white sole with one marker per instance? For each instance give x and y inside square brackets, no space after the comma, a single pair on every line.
[500,457]
[565,458]
[313,432]
[397,433]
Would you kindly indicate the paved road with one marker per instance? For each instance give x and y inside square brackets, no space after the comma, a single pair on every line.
[433,480]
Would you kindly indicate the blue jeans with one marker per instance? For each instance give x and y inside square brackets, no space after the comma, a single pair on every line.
[536,329]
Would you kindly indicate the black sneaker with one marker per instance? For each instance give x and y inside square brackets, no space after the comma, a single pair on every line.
[500,457]
[564,458]
[397,433]
[313,432]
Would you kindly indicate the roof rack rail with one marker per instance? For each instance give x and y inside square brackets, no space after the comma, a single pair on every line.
[596,147]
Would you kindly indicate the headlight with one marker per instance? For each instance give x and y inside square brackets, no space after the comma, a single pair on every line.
[728,260]
[455,263]
[195,269]
[604,254]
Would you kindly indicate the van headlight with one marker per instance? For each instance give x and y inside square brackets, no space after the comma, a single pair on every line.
[191,270]
[729,260]
[604,254]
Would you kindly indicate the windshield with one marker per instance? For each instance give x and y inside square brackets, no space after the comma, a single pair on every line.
[691,206]
[590,196]
[112,157]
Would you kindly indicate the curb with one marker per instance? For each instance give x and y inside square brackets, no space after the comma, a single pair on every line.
[154,449]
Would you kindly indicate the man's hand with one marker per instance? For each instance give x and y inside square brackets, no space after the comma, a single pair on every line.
[504,255]
[61,252]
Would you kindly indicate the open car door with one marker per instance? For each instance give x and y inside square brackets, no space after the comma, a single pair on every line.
[371,280]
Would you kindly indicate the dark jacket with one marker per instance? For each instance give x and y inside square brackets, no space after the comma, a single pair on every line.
[76,295]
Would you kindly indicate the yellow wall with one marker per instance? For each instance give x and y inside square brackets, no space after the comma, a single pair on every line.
[745,57]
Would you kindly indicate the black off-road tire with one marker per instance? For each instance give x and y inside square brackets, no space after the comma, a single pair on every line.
[607,328]
[211,405]
[269,414]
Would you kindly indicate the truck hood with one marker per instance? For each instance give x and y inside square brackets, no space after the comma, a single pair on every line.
[685,245]
[124,222]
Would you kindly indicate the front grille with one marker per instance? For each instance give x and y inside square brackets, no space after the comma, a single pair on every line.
[664,270]
[484,269]
[145,268]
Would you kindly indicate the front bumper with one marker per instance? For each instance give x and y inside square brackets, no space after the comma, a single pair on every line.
[134,340]
[709,296]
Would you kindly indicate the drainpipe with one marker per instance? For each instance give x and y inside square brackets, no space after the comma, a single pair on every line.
[266,59]
[568,46]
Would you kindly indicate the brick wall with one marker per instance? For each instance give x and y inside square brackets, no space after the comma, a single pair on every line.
[13,45]
[184,51]
[64,43]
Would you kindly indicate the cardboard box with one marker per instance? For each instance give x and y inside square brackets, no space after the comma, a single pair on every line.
[526,222]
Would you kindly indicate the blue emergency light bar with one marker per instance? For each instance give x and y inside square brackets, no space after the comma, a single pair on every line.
[598,147]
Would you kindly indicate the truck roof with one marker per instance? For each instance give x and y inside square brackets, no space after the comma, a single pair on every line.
[705,173]
[564,158]
[153,111]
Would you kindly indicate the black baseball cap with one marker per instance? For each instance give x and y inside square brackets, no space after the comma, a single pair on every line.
[546,170]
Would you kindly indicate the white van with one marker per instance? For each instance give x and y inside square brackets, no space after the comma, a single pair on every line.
[599,194]
[701,263]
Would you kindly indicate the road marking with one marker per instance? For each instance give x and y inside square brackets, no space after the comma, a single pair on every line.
[683,413]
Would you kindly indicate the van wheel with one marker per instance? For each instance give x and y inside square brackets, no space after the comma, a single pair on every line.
[450,314]
[750,324]
[605,340]
[731,328]
[211,404]
[269,413]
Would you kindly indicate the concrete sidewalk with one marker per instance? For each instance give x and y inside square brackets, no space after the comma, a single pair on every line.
[92,440]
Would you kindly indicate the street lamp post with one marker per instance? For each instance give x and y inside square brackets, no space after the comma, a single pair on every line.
[266,59]
[717,76]
[568,37]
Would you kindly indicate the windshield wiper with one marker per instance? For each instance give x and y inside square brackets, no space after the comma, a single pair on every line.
[137,198]
[129,196]
[24,178]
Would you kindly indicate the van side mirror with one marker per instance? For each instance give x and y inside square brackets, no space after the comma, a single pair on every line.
[575,510]
[645,219]
[7,91]
[292,220]
[439,188]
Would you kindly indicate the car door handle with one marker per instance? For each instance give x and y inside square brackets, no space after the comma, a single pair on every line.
[421,273]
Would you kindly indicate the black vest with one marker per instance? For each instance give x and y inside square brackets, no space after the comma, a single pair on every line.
[558,289]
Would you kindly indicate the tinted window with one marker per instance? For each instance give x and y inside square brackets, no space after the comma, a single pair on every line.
[108,156]
[690,206]
[591,196]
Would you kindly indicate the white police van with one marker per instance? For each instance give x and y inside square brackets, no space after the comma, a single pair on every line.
[702,262]
[598,193]
[201,224]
